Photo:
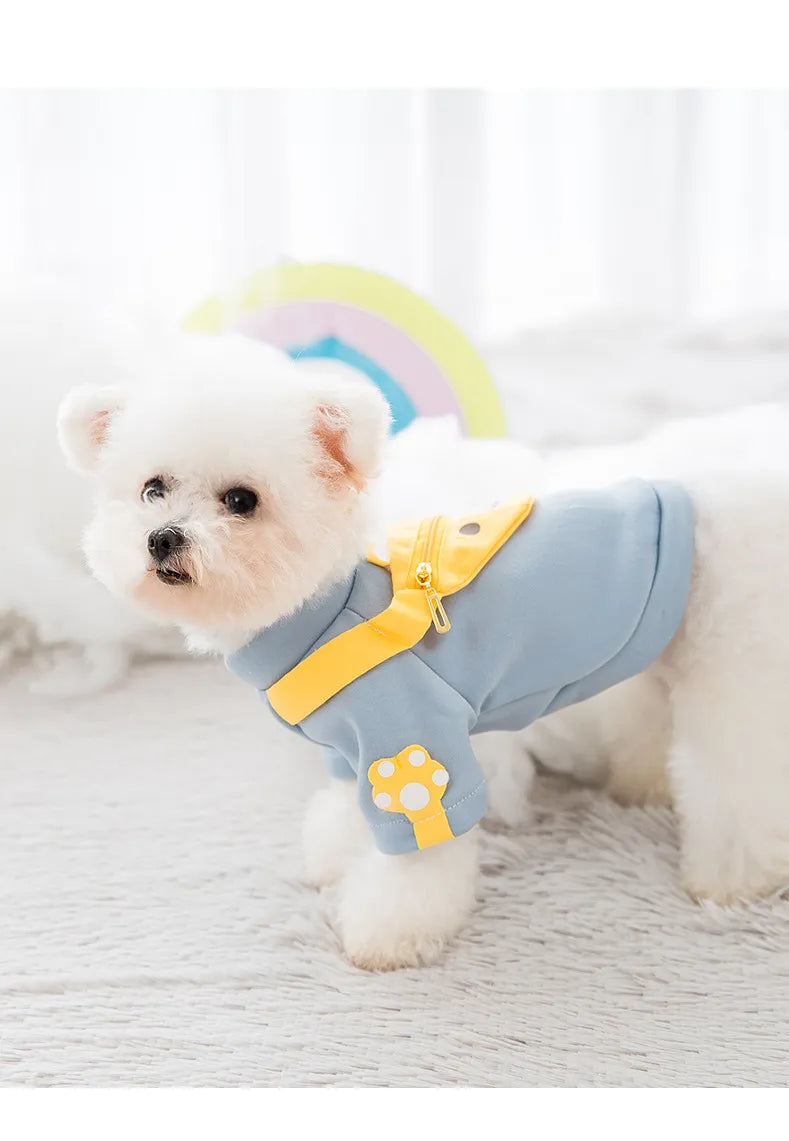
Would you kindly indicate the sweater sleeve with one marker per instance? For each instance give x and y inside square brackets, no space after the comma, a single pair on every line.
[405,733]
[336,764]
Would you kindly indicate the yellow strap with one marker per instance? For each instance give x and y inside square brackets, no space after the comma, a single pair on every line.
[433,831]
[458,549]
[347,657]
[458,554]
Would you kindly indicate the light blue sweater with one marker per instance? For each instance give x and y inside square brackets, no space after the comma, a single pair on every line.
[587,592]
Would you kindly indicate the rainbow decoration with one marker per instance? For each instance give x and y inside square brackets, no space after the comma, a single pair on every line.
[421,362]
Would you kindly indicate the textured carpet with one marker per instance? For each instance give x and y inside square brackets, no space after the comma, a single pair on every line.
[154,931]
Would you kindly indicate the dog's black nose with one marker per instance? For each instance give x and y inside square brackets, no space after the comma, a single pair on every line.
[165,541]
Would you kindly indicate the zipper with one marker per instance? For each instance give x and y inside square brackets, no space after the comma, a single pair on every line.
[424,579]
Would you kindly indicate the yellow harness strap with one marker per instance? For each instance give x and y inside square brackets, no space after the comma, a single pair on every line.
[428,560]
[337,663]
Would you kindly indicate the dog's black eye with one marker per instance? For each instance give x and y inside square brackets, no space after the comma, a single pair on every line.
[240,501]
[154,489]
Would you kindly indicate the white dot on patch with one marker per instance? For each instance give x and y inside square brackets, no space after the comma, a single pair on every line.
[414,796]
[383,800]
[441,777]
[416,757]
[386,768]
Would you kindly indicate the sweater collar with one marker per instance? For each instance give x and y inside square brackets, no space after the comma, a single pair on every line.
[278,648]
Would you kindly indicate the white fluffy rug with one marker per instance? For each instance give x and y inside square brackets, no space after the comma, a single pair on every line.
[154,931]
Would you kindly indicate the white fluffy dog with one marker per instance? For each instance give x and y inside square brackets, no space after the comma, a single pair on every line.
[50,340]
[271,482]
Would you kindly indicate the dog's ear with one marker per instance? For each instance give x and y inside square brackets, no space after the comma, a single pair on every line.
[84,419]
[350,422]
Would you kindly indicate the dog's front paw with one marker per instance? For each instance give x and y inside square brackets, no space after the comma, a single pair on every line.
[80,673]
[401,911]
[333,833]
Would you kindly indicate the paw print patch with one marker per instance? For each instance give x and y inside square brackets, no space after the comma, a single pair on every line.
[413,783]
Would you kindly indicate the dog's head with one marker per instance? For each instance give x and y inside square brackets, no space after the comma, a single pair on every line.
[230,491]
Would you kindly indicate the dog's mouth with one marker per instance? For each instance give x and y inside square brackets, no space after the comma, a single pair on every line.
[172,577]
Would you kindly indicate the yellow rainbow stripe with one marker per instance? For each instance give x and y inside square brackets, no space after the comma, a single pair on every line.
[458,361]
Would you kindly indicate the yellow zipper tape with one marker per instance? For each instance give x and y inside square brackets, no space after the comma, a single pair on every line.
[333,666]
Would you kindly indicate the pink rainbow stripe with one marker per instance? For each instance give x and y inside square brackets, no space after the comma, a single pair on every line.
[301,322]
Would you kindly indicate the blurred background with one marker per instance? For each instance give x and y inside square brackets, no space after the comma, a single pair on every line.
[509,209]
[620,257]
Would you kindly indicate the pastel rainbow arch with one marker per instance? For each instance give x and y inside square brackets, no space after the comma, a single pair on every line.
[418,358]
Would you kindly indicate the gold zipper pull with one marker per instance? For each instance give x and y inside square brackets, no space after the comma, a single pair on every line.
[424,578]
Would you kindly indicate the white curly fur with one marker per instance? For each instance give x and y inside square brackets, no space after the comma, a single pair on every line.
[704,725]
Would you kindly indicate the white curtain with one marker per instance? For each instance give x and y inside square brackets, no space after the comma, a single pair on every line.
[509,209]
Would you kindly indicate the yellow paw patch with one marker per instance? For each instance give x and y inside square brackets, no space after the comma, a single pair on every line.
[413,783]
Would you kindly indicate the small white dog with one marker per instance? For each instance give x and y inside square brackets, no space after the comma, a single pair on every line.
[51,338]
[226,499]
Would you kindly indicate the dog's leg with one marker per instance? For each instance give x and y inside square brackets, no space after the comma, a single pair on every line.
[617,741]
[729,770]
[727,670]
[635,731]
[400,911]
[509,774]
[78,672]
[333,832]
